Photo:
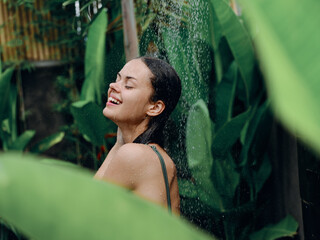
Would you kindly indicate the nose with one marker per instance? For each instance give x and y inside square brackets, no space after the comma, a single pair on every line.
[114,86]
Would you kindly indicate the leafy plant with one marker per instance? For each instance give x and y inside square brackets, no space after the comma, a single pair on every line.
[67,203]
[289,55]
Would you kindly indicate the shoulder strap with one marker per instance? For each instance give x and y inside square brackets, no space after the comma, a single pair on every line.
[165,176]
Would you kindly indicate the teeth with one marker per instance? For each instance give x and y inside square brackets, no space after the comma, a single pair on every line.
[115,101]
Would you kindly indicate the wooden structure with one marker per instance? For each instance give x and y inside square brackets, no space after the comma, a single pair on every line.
[20,37]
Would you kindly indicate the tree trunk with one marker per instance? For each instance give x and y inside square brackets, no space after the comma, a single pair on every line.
[131,46]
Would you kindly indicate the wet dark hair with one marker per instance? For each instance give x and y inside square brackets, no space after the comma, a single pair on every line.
[167,88]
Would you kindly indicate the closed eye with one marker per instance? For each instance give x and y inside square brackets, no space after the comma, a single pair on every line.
[128,87]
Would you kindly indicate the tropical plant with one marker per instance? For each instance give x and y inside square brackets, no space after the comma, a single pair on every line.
[67,203]
[227,166]
[287,41]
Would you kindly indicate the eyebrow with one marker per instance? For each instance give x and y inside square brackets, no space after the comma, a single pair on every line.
[127,77]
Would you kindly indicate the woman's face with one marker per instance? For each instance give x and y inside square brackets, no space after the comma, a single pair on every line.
[129,96]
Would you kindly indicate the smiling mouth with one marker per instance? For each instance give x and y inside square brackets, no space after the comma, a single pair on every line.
[114,101]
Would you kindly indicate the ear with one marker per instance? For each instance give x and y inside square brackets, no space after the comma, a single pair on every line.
[156,108]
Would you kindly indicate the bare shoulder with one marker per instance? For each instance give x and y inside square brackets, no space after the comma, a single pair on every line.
[141,156]
[132,155]
[131,151]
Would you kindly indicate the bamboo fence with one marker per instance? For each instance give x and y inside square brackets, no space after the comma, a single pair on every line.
[21,38]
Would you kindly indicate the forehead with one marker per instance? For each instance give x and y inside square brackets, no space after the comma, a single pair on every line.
[137,69]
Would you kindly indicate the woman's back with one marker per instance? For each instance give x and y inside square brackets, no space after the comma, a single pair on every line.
[138,168]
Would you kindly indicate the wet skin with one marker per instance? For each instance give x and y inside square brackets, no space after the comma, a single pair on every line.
[136,166]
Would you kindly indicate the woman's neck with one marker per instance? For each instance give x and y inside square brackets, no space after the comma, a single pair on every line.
[131,132]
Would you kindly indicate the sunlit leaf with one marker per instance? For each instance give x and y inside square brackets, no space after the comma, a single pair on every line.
[95,59]
[66,203]
[21,142]
[48,142]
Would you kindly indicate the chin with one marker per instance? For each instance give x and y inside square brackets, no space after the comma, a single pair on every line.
[109,115]
[106,113]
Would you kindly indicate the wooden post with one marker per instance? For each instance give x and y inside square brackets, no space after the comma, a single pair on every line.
[129,30]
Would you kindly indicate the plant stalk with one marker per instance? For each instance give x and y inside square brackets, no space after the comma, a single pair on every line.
[130,37]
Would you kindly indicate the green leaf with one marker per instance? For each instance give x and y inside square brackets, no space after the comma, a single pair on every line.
[94,128]
[287,44]
[181,53]
[94,60]
[263,173]
[228,134]
[238,39]
[225,96]
[225,179]
[13,118]
[287,227]
[61,163]
[47,142]
[251,130]
[198,145]
[66,203]
[5,81]
[21,142]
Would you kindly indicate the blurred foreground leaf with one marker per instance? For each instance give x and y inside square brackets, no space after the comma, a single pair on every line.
[50,202]
[287,36]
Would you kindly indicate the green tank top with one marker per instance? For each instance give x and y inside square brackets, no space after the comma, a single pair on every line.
[165,176]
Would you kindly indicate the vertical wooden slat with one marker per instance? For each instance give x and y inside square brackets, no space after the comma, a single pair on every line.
[2,33]
[8,32]
[20,50]
[50,38]
[45,36]
[32,37]
[57,51]
[37,31]
[27,33]
[27,23]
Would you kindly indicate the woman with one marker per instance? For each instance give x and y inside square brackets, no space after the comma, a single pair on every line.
[140,101]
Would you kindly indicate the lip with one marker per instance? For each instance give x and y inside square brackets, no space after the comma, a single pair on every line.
[109,103]
[113,96]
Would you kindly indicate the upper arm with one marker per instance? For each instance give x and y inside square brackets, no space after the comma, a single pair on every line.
[126,166]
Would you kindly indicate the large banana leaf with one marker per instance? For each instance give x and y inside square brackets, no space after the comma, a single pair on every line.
[52,202]
[228,134]
[225,95]
[238,39]
[95,60]
[287,39]
[198,146]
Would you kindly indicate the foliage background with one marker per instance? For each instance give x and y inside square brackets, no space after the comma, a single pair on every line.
[220,128]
